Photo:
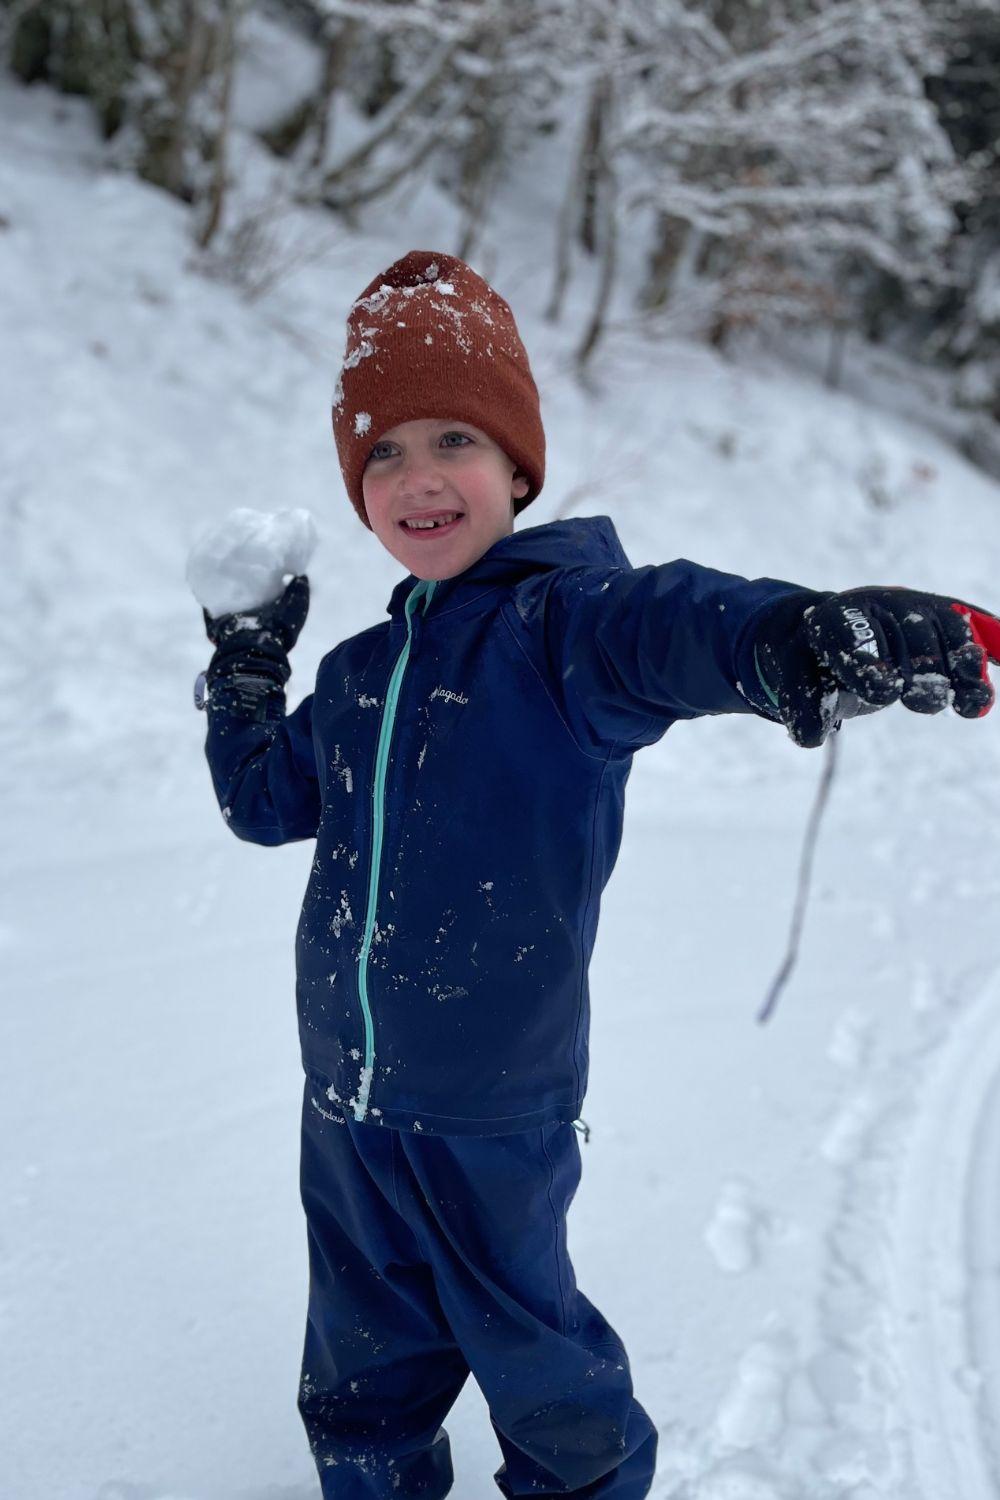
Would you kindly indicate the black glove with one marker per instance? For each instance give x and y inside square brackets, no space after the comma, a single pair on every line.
[249,669]
[825,657]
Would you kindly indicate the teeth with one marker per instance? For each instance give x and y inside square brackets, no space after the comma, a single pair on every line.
[425,525]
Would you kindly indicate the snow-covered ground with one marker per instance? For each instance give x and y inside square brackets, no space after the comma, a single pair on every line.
[796,1228]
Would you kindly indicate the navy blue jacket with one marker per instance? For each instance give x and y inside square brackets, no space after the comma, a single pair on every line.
[462,768]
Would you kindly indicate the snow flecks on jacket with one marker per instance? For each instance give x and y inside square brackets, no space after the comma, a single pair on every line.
[339,767]
[519,1041]
[448,991]
[447,922]
[335,852]
[342,917]
[364,1084]
[367,700]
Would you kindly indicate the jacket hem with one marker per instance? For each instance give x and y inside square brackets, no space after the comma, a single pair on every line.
[382,1111]
[422,1123]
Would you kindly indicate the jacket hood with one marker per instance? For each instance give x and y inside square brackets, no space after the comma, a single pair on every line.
[580,541]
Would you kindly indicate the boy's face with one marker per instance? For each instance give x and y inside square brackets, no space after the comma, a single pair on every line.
[435,468]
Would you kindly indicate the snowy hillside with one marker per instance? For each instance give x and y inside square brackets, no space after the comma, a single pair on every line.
[794,1228]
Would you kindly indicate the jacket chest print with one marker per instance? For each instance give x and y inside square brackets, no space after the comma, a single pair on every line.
[438,717]
[448,695]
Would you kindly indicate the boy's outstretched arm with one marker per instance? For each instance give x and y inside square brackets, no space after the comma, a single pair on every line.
[262,762]
[627,651]
[870,647]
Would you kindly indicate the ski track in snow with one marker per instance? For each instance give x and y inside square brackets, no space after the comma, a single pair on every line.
[946,1296]
[901,1396]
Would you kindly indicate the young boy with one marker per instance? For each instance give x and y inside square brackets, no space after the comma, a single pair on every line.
[462,768]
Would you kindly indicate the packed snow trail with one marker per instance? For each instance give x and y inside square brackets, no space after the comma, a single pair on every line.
[945,1251]
[893,1388]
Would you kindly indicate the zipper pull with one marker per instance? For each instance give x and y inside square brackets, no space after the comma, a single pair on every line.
[583,1128]
[422,594]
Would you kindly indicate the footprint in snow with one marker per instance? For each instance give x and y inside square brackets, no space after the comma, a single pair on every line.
[753,1411]
[850,1045]
[738,1228]
[845,1141]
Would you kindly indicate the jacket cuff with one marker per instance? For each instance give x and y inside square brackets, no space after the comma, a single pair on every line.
[751,681]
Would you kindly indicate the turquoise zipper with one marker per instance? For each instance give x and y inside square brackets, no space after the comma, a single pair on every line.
[424,589]
[772,695]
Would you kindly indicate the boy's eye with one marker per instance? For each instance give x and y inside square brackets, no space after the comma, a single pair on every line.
[375,453]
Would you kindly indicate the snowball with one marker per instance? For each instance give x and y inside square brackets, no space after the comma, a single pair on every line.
[245,559]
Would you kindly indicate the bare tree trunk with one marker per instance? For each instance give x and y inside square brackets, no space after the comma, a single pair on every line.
[224,65]
[564,235]
[608,199]
[835,355]
[590,161]
[11,20]
[390,118]
[475,214]
[198,35]
[484,151]
[338,49]
[384,87]
[569,211]
[671,236]
[312,114]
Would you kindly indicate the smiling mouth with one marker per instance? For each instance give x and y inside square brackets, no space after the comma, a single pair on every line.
[427,526]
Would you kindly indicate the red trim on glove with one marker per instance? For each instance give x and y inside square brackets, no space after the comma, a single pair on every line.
[986,634]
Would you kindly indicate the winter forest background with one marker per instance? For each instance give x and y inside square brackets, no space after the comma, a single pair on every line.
[753,247]
[777,162]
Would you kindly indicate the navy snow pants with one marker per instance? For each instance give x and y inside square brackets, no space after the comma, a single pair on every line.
[433,1256]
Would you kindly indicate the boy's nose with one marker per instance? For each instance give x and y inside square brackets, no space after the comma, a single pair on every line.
[419,479]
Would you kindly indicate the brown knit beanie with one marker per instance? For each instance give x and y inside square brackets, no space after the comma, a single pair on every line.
[430,338]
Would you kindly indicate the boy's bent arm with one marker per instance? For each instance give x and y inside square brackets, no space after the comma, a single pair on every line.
[262,761]
[264,773]
[630,650]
